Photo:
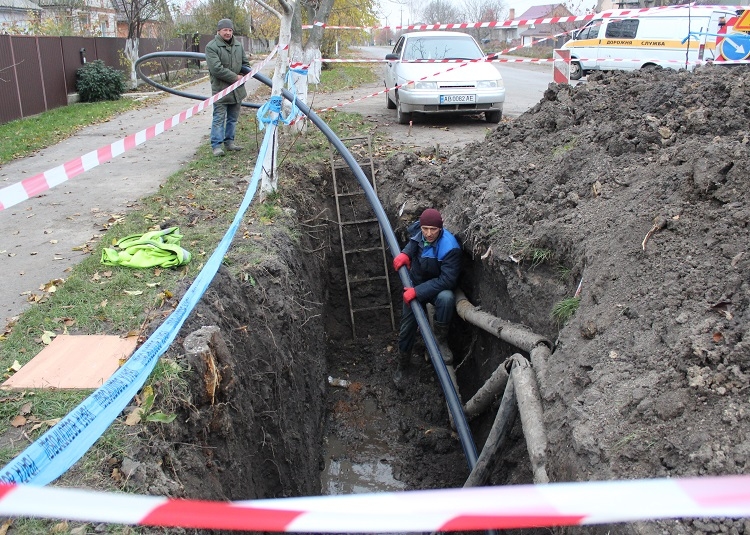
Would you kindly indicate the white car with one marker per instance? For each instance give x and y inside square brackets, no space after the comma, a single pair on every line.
[425,86]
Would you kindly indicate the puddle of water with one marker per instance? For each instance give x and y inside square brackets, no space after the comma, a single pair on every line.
[363,465]
[371,472]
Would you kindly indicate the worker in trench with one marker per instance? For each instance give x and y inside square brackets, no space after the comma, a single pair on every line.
[433,258]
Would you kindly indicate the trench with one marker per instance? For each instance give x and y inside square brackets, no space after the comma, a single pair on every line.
[287,403]
[303,408]
[269,422]
[380,438]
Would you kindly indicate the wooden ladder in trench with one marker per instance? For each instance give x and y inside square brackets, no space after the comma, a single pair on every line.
[361,237]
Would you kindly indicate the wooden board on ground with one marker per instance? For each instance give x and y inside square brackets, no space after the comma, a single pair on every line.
[73,362]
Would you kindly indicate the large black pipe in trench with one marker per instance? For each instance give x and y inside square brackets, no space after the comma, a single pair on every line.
[454,403]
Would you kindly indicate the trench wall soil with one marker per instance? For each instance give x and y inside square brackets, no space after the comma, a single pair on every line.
[256,432]
[637,182]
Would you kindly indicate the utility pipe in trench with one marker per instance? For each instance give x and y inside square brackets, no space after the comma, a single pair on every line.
[523,381]
[451,396]
[538,347]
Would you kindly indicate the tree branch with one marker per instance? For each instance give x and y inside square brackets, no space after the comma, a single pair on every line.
[268,7]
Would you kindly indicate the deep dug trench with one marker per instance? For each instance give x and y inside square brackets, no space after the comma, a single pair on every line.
[262,420]
[638,185]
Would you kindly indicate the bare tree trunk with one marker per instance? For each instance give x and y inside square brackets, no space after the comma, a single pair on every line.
[299,83]
[312,58]
[269,176]
[131,55]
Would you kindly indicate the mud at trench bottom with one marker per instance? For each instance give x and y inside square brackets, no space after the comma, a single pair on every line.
[361,465]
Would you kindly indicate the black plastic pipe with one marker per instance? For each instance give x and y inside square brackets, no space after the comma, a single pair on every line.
[451,396]
[454,403]
[174,54]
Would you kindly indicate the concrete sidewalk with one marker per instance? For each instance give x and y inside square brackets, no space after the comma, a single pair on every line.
[37,236]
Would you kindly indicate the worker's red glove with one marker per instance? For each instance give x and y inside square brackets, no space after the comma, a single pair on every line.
[402,259]
[409,294]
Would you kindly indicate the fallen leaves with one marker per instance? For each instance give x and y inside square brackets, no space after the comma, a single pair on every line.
[87,247]
[47,337]
[146,399]
[52,285]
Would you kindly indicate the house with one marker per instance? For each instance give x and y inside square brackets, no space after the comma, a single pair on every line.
[537,32]
[152,26]
[94,18]
[505,35]
[18,16]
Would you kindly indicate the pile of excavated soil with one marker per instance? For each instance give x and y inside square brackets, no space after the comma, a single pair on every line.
[637,184]
[633,186]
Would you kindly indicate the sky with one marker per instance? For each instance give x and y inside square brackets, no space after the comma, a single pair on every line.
[395,12]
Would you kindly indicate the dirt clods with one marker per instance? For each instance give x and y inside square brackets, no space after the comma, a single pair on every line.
[621,204]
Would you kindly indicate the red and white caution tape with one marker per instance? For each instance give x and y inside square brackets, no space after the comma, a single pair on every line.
[462,64]
[510,23]
[660,61]
[468,509]
[41,182]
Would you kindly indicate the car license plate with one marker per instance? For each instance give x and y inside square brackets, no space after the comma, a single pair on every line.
[458,99]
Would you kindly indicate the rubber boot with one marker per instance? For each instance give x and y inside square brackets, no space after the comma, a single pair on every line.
[441,336]
[399,376]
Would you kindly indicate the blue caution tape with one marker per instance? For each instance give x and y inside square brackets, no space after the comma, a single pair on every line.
[269,112]
[294,111]
[59,448]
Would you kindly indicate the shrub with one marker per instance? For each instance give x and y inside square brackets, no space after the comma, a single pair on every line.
[95,81]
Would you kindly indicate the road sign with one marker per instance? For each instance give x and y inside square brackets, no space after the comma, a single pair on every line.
[735,46]
[743,23]
[561,66]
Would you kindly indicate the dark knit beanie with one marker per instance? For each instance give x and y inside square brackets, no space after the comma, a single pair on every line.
[431,218]
[225,23]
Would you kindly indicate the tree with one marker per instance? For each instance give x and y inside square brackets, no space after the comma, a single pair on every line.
[206,15]
[137,13]
[291,15]
[263,24]
[348,13]
[269,176]
[441,12]
[482,11]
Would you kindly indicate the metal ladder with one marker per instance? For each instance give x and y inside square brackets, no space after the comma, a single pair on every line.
[355,215]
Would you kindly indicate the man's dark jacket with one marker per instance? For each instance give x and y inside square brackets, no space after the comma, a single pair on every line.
[225,61]
[434,267]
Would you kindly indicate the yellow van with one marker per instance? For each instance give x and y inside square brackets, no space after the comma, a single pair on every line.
[675,37]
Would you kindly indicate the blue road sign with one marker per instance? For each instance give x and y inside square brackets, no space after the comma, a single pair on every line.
[735,46]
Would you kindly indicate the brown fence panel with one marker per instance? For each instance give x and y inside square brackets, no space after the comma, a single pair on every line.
[53,74]
[38,73]
[10,101]
[72,53]
[205,39]
[108,49]
[26,54]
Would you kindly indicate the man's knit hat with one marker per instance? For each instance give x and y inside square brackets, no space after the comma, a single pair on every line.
[431,218]
[225,23]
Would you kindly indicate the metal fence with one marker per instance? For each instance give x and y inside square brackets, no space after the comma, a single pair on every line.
[38,73]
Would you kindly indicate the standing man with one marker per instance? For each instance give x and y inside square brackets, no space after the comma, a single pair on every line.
[225,58]
[433,257]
